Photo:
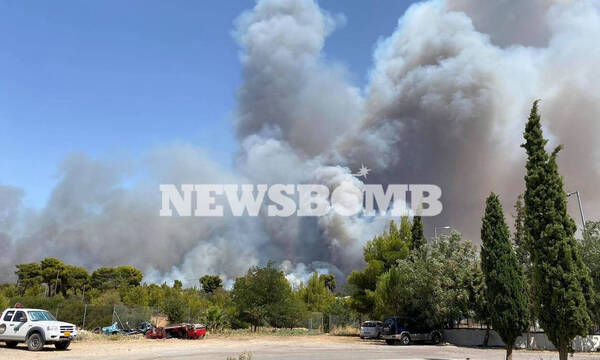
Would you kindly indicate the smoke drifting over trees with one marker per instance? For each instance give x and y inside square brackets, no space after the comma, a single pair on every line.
[446,102]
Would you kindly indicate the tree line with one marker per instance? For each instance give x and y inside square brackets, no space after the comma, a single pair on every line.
[263,297]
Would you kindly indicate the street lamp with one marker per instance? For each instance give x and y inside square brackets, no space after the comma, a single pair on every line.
[439,227]
[576,192]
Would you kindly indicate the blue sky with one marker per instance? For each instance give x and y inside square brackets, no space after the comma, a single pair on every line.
[117,78]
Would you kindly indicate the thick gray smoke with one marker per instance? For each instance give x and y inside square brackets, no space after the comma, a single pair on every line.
[446,102]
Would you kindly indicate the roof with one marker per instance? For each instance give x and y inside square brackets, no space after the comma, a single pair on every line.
[24,309]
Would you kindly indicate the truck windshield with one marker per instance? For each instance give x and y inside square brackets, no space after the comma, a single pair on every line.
[40,316]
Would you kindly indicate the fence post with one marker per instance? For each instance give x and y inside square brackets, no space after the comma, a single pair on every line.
[56,316]
[84,315]
[113,314]
[322,328]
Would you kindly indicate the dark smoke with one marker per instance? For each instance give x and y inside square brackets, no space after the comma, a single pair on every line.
[446,103]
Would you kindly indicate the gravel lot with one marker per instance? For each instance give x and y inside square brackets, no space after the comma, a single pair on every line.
[268,347]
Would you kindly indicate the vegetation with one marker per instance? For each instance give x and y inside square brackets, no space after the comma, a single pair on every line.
[418,238]
[505,284]
[380,254]
[315,294]
[210,283]
[433,286]
[562,287]
[264,296]
[591,257]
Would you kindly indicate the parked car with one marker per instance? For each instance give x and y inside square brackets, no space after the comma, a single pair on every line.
[36,328]
[404,330]
[371,329]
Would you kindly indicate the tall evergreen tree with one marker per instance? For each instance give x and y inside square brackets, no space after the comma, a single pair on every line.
[561,284]
[505,284]
[520,242]
[418,239]
[522,250]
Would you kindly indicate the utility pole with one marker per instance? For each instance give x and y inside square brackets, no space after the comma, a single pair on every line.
[576,192]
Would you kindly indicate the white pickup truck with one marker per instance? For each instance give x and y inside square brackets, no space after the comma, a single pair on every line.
[36,328]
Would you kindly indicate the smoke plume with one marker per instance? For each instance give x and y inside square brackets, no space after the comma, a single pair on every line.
[446,102]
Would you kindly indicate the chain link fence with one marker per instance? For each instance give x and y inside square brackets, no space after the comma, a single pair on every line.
[344,325]
[314,322]
[94,317]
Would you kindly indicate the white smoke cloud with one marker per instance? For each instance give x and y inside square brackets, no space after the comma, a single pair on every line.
[446,102]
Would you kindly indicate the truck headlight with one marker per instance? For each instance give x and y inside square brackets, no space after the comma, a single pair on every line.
[52,328]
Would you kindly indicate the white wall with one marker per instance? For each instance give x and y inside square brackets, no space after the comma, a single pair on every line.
[533,340]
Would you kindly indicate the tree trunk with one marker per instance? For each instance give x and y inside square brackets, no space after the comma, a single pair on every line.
[509,349]
[486,338]
[563,351]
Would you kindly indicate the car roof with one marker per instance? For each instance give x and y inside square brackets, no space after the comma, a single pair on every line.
[24,309]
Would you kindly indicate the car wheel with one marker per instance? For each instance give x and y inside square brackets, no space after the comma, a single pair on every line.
[35,342]
[436,338]
[11,344]
[362,337]
[63,345]
[405,339]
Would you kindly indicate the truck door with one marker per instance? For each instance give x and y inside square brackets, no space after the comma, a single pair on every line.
[19,326]
[5,333]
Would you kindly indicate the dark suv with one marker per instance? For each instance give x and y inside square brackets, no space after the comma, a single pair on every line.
[404,330]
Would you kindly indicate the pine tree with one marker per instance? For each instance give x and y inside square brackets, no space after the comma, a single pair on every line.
[418,239]
[561,284]
[505,284]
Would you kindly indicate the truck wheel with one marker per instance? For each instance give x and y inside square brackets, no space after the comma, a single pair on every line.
[63,345]
[390,341]
[35,342]
[11,344]
[405,339]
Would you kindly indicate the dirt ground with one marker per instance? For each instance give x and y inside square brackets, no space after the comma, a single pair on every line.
[268,347]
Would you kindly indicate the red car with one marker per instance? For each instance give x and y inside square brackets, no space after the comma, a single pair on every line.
[179,331]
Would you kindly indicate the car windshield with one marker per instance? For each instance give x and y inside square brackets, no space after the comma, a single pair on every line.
[369,324]
[40,316]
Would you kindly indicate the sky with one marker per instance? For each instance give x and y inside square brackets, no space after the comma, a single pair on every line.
[114,79]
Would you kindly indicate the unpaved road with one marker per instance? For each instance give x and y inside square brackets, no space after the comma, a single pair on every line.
[268,347]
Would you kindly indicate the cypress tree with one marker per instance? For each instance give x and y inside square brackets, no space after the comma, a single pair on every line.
[418,239]
[520,236]
[505,285]
[561,282]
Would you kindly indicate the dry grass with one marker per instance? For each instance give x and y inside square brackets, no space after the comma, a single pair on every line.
[344,331]
[84,335]
[242,356]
